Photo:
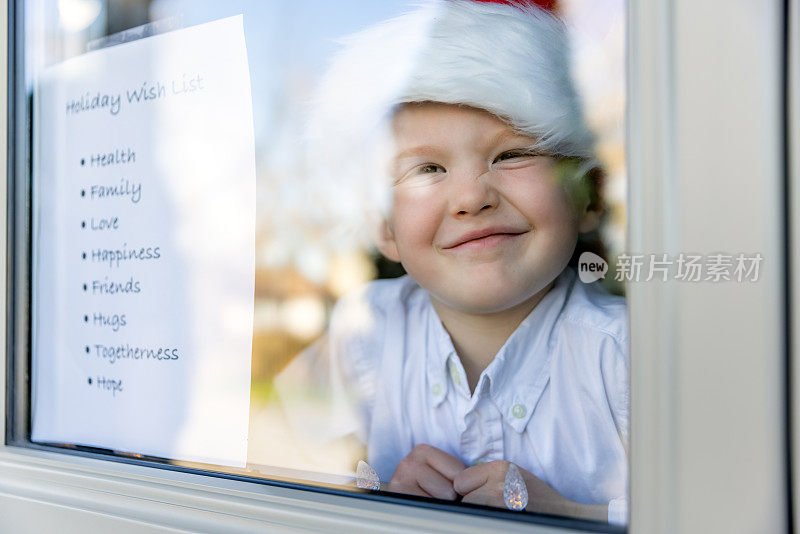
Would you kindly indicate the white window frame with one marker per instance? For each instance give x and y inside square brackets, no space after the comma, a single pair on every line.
[708,440]
[793,145]
[709,426]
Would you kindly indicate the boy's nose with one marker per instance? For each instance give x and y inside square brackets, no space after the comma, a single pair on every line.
[473,193]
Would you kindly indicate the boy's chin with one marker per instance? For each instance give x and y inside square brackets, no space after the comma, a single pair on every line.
[489,301]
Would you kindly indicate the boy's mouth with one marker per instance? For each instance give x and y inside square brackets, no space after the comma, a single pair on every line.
[485,237]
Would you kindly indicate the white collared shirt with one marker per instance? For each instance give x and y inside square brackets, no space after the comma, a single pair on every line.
[554,400]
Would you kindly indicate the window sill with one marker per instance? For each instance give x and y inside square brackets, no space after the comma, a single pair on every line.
[127,495]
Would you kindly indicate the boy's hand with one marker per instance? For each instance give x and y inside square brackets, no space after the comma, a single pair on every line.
[429,472]
[483,484]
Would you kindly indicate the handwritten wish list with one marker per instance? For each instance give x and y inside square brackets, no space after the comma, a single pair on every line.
[144,221]
[148,91]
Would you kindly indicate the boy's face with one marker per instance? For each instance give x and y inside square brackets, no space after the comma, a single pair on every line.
[479,223]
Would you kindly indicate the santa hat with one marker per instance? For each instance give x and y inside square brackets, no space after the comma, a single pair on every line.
[548,5]
[509,57]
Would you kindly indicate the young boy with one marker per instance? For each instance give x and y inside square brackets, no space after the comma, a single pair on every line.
[490,351]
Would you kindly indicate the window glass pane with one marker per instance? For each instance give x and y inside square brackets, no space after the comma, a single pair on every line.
[409,213]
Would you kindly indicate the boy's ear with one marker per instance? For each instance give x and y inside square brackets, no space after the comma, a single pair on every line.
[590,219]
[386,243]
[591,212]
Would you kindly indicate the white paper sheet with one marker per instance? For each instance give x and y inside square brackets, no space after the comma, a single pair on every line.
[144,163]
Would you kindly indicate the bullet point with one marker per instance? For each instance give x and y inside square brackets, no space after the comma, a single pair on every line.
[83,192]
[83,255]
[87,349]
[85,287]
[89,380]
[83,161]
[83,224]
[85,318]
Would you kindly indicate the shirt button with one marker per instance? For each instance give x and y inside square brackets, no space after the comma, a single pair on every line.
[519,411]
[454,374]
[436,390]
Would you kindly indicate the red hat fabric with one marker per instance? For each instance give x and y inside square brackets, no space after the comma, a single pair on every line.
[548,5]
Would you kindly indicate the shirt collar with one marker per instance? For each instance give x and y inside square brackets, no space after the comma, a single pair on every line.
[520,371]
[442,350]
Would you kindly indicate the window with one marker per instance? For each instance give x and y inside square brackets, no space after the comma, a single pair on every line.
[148,246]
[301,269]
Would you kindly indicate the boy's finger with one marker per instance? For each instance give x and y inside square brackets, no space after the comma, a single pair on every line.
[484,495]
[412,489]
[449,466]
[434,484]
[471,479]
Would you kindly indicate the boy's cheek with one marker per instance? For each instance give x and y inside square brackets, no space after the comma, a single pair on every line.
[546,209]
[414,218]
[414,195]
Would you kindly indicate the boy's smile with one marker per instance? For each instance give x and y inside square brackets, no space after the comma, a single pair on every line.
[485,238]
[478,219]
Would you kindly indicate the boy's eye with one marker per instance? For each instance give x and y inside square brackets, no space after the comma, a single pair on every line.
[429,168]
[513,154]
[421,174]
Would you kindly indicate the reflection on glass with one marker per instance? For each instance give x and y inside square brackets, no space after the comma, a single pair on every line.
[476,146]
[490,368]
